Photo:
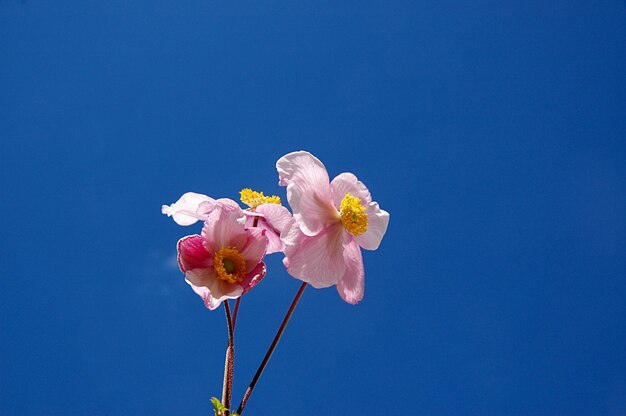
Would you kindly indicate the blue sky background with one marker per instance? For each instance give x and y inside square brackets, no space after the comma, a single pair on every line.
[492,131]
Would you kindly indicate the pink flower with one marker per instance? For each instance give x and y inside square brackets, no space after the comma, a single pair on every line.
[332,221]
[224,262]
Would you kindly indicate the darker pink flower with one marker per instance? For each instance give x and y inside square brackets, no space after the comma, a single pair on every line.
[224,262]
[331,222]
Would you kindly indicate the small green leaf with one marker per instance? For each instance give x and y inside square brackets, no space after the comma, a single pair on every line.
[218,406]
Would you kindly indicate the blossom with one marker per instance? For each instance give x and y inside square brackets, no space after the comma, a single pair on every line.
[267,213]
[332,222]
[226,260]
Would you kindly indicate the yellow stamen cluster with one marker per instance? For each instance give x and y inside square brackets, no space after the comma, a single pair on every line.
[229,265]
[353,216]
[253,199]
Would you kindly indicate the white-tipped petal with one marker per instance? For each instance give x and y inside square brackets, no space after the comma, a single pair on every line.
[185,210]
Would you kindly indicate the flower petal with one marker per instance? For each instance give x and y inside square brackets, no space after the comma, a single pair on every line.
[292,237]
[253,278]
[308,191]
[316,260]
[192,254]
[377,219]
[347,182]
[228,202]
[351,286]
[184,211]
[205,208]
[274,243]
[255,247]
[377,222]
[224,227]
[274,219]
[277,216]
[205,294]
[212,290]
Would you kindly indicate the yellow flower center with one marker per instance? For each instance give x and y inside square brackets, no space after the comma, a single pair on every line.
[253,199]
[353,216]
[229,265]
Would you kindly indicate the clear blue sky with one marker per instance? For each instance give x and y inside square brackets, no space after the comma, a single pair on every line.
[494,132]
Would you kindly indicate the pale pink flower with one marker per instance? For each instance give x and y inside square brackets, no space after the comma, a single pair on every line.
[224,262]
[332,221]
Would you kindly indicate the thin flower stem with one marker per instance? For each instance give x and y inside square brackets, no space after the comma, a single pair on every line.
[229,365]
[235,311]
[271,349]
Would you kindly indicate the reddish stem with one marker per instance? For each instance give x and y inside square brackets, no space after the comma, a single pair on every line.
[235,311]
[229,365]
[271,349]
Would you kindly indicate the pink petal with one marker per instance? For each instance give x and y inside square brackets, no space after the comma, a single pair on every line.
[192,254]
[253,278]
[275,220]
[205,208]
[347,182]
[205,294]
[212,290]
[291,237]
[351,286]
[316,260]
[251,215]
[184,211]
[274,243]
[308,191]
[277,216]
[377,219]
[224,227]
[377,222]
[255,247]
[228,202]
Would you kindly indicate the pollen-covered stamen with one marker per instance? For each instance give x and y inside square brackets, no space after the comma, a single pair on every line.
[353,216]
[229,265]
[253,199]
